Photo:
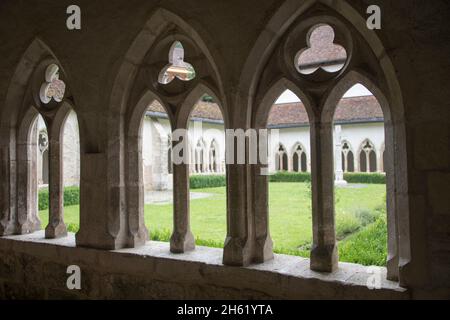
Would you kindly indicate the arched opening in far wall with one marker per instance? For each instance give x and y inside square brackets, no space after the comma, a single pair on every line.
[299,159]
[155,139]
[360,202]
[288,185]
[207,187]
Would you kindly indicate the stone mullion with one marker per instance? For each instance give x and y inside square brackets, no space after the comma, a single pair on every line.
[239,242]
[367,161]
[138,233]
[56,227]
[7,206]
[324,255]
[182,239]
[27,205]
[263,243]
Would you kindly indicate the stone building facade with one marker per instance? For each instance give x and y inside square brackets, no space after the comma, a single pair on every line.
[360,120]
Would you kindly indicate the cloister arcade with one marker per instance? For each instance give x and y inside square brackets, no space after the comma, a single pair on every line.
[172,59]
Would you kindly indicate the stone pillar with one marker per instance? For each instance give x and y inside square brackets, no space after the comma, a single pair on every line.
[27,203]
[393,207]
[100,205]
[260,197]
[137,232]
[338,173]
[290,162]
[324,254]
[239,242]
[367,161]
[182,239]
[56,227]
[7,203]
[345,161]
[237,249]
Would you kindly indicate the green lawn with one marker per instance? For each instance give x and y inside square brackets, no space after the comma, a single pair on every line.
[358,210]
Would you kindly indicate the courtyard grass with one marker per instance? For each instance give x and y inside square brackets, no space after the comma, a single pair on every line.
[359,224]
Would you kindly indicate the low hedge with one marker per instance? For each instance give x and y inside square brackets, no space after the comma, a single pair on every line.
[71,197]
[350,177]
[368,178]
[72,194]
[285,176]
[207,181]
[214,181]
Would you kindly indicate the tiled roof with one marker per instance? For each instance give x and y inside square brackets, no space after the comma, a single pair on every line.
[202,110]
[356,109]
[324,49]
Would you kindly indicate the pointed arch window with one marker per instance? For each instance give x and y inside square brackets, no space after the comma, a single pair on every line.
[348,162]
[281,159]
[368,157]
[299,159]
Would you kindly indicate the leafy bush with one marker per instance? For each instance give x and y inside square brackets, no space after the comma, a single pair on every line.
[368,178]
[43,198]
[160,235]
[71,197]
[207,181]
[73,227]
[285,176]
[365,216]
[346,224]
[368,246]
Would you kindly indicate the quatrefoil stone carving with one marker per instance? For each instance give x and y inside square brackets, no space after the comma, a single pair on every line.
[53,87]
[177,67]
[321,53]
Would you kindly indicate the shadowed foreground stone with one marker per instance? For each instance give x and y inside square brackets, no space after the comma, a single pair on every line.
[33,267]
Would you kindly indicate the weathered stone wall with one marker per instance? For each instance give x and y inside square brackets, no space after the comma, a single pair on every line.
[31,267]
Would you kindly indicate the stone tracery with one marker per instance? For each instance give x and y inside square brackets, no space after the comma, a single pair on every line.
[53,87]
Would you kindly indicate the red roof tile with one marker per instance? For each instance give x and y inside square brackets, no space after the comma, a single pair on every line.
[348,110]
[353,109]
[323,50]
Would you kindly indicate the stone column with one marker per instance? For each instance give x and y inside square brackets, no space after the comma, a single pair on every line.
[240,227]
[137,232]
[339,174]
[27,203]
[237,249]
[290,162]
[260,177]
[163,165]
[324,254]
[56,227]
[182,239]
[206,162]
[367,161]
[345,161]
[7,203]
[100,205]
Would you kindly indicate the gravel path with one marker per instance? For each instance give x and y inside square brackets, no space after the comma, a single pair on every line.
[166,197]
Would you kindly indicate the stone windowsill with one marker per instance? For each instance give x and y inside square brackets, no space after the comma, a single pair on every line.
[289,275]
